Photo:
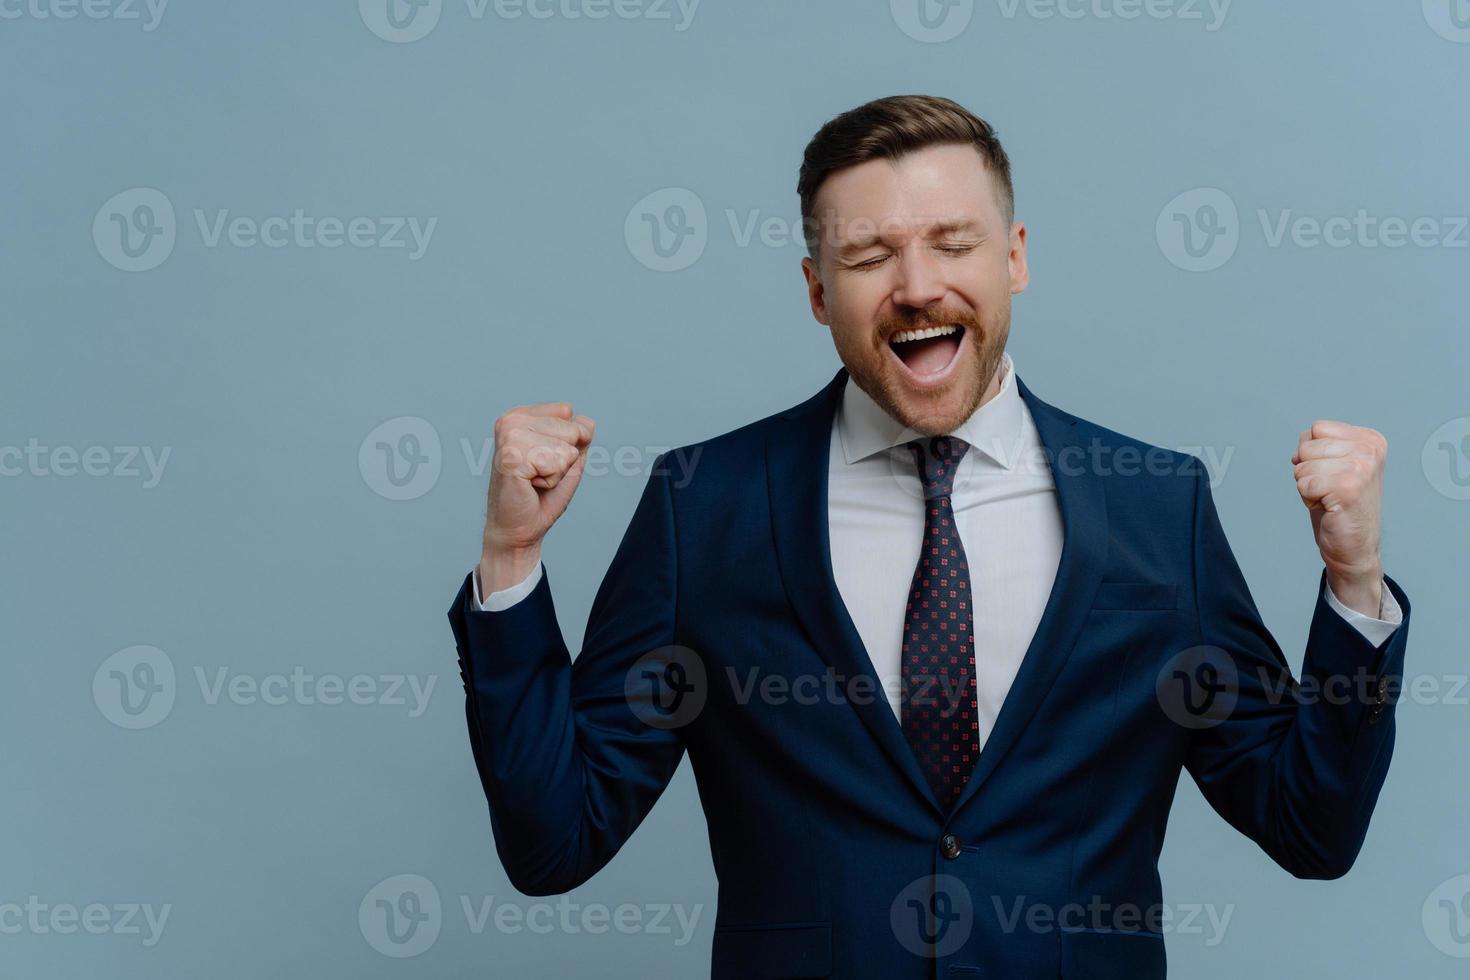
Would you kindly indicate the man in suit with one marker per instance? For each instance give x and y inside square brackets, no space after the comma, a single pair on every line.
[937,649]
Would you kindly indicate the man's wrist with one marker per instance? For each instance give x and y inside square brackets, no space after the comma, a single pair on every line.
[501,568]
[1360,590]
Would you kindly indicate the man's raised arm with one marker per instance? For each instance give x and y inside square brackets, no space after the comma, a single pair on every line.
[568,767]
[1298,767]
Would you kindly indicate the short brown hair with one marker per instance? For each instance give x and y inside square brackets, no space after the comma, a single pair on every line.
[888,128]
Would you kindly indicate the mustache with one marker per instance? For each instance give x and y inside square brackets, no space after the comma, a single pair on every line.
[921,319]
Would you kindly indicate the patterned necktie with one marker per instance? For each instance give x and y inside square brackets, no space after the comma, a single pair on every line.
[940,718]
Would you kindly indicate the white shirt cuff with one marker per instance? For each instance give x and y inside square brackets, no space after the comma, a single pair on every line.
[1374,630]
[505,598]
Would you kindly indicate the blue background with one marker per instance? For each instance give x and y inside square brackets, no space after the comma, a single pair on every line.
[267,546]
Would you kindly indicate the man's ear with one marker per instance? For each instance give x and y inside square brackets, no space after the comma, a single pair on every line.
[815,291]
[1020,271]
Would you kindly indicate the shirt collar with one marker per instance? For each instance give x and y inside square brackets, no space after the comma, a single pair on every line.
[994,429]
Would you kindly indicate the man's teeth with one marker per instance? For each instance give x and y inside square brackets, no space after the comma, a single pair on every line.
[925,334]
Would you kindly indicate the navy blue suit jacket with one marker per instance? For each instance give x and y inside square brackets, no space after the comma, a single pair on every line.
[833,856]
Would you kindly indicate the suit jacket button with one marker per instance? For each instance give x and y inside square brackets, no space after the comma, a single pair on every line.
[949,846]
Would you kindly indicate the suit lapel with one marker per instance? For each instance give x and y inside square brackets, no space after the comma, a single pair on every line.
[796,474]
[1084,551]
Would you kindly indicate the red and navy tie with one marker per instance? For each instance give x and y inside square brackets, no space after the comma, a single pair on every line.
[940,718]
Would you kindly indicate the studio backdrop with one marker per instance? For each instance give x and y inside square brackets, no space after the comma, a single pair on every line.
[271,271]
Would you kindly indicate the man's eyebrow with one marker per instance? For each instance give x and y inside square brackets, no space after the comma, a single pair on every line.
[945,227]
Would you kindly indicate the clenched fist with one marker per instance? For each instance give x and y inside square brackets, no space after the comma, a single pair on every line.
[540,453]
[1339,474]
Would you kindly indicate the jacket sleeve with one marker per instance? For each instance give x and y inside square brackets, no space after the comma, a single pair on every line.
[1295,766]
[569,768]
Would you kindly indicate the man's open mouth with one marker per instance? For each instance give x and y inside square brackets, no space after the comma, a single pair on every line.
[929,352]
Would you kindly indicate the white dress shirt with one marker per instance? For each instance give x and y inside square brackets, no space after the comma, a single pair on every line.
[1005,509]
[1006,512]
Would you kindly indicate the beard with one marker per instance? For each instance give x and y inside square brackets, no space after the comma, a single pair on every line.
[870,362]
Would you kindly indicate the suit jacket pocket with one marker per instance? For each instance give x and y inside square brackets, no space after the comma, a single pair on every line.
[778,951]
[1112,955]
[1135,595]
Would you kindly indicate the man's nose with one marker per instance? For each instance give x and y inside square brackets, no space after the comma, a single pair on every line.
[920,281]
